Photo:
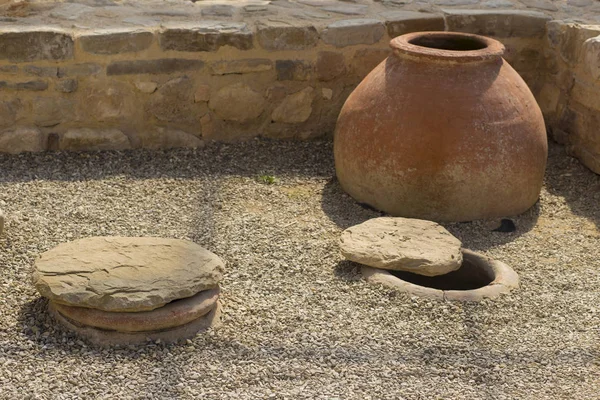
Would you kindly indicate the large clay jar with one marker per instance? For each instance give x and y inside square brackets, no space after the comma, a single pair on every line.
[444,129]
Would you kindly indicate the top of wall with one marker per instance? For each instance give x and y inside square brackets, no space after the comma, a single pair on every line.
[93,14]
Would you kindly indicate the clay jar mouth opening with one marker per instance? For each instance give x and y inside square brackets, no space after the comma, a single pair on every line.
[447,46]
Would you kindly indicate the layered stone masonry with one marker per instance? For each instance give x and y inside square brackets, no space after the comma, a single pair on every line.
[138,84]
[184,83]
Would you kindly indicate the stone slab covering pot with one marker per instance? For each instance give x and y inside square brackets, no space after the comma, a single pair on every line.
[444,129]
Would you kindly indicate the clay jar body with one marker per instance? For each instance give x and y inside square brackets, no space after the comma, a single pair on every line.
[444,129]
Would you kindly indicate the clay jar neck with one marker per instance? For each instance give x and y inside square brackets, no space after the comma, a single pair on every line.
[447,47]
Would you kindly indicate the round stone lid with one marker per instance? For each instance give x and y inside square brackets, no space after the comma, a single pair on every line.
[127,274]
[403,244]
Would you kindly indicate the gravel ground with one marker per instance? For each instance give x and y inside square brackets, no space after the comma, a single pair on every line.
[299,322]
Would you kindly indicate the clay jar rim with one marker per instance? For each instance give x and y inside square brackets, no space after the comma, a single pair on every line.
[430,46]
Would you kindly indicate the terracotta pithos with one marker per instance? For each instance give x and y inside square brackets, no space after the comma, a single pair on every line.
[444,129]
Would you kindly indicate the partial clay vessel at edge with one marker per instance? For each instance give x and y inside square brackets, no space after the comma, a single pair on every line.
[444,129]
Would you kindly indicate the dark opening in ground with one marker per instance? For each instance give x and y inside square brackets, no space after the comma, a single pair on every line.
[468,277]
[444,42]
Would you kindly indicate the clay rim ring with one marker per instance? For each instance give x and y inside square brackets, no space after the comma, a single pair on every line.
[421,45]
[504,279]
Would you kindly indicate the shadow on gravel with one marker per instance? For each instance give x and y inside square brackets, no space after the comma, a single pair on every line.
[310,159]
[347,271]
[569,179]
[342,209]
[345,212]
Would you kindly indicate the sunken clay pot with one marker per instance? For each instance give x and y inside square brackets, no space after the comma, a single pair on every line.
[444,129]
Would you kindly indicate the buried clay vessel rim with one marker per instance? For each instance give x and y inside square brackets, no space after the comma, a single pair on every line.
[447,47]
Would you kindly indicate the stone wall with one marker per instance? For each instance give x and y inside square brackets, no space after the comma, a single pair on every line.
[185,83]
[570,97]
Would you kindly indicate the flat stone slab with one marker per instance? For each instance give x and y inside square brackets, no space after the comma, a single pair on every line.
[402,244]
[176,313]
[125,274]
[502,279]
[101,337]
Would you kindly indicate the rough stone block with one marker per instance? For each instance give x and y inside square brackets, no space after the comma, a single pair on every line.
[347,9]
[206,36]
[295,108]
[84,69]
[146,87]
[51,111]
[497,23]
[570,38]
[241,66]
[28,44]
[22,140]
[588,94]
[116,41]
[160,66]
[401,22]
[329,65]
[353,31]
[541,4]
[9,110]
[162,138]
[218,10]
[34,86]
[365,60]
[237,102]
[92,140]
[202,94]
[293,70]
[279,36]
[67,85]
[591,51]
[41,71]
[9,69]
[110,101]
[174,102]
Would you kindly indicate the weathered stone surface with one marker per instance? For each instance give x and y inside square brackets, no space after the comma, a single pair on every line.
[108,101]
[295,108]
[353,31]
[241,66]
[218,10]
[591,55]
[93,140]
[347,9]
[33,45]
[160,66]
[1,222]
[162,138]
[326,93]
[329,65]
[41,71]
[116,41]
[202,94]
[401,22]
[9,69]
[173,314]
[102,337]
[293,70]
[540,4]
[365,60]
[237,102]
[146,86]
[84,69]
[279,36]
[206,36]
[455,2]
[51,111]
[22,140]
[402,244]
[34,86]
[174,102]
[125,274]
[500,23]
[8,112]
[67,85]
[569,39]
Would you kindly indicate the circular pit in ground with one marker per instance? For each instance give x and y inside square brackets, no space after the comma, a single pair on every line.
[478,278]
